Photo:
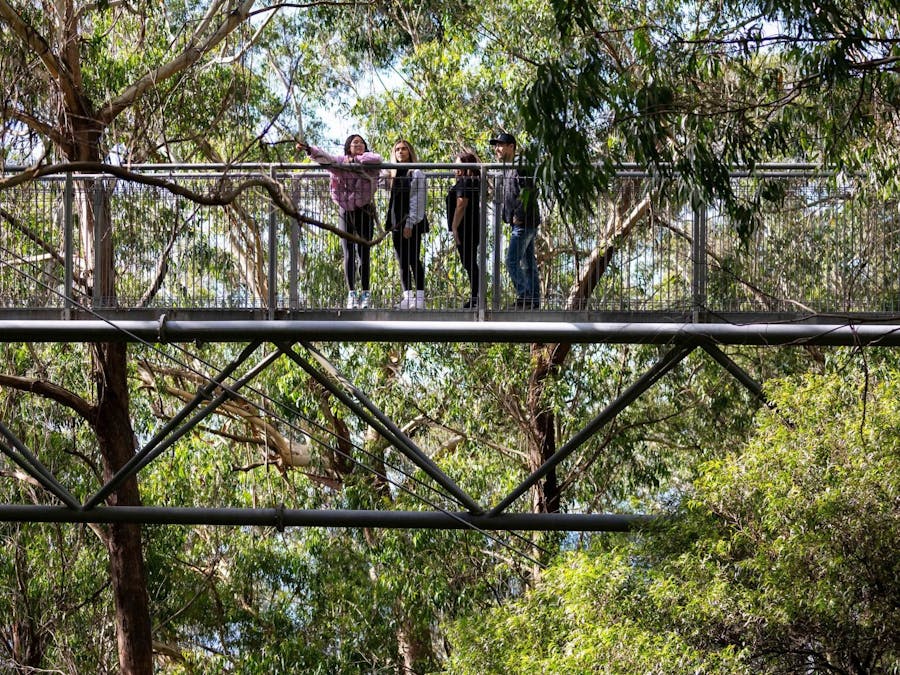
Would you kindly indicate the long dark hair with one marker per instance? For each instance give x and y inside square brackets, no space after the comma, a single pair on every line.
[467,157]
[350,140]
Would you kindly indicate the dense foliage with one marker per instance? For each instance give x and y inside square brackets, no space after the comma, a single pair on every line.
[700,88]
[780,559]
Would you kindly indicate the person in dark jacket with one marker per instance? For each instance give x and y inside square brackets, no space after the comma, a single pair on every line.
[520,211]
[464,220]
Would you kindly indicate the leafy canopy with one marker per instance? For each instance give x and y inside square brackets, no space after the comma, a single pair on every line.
[783,560]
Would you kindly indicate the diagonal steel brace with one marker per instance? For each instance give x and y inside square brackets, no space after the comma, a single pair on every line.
[372,415]
[153,450]
[736,371]
[647,380]
[34,468]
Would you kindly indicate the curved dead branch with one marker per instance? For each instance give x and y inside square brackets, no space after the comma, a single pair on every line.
[224,195]
[50,391]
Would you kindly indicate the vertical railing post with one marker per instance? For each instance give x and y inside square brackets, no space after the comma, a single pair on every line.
[294,272]
[273,269]
[68,246]
[698,259]
[498,234]
[99,277]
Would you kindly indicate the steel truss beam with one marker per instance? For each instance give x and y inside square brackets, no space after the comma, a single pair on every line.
[281,518]
[373,416]
[351,330]
[647,380]
[159,443]
[683,339]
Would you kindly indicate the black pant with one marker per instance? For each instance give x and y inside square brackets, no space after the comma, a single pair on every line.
[468,255]
[361,223]
[409,257]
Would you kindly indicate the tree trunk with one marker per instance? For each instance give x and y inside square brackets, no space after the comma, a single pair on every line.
[545,496]
[117,443]
[549,358]
[26,637]
[126,556]
[416,654]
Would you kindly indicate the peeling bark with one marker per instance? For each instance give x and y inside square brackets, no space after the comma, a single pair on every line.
[112,425]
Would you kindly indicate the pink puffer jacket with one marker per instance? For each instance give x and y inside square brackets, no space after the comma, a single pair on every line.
[349,189]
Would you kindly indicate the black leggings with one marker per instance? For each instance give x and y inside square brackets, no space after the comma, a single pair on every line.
[468,254]
[409,256]
[359,222]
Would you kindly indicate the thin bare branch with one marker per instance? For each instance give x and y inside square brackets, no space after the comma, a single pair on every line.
[192,53]
[41,48]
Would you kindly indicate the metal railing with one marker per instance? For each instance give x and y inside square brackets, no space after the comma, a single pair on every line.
[825,246]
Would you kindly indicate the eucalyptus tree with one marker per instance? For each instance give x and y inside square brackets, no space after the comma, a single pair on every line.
[141,80]
[625,85]
[701,88]
[780,560]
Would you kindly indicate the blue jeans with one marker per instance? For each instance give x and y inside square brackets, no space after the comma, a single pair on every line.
[521,263]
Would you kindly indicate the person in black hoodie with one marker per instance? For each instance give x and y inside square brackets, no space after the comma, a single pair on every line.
[464,220]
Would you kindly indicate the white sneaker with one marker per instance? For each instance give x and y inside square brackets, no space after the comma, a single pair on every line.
[365,299]
[418,300]
[352,300]
[407,301]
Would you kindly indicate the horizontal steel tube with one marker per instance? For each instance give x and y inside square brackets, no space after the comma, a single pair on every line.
[53,330]
[280,518]
[777,168]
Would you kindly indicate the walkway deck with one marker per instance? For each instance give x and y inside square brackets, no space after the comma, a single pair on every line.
[821,266]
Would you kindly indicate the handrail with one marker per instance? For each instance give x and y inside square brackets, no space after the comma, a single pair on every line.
[775,168]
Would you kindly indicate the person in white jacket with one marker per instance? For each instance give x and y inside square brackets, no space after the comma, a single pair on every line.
[407,222]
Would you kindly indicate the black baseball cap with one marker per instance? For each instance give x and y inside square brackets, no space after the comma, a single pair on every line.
[504,138]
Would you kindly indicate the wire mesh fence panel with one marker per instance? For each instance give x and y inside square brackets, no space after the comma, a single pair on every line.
[632,255]
[310,272]
[819,247]
[816,245]
[652,260]
[867,264]
[314,259]
[31,245]
[172,252]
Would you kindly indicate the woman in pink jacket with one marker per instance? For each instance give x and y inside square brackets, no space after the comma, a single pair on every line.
[352,191]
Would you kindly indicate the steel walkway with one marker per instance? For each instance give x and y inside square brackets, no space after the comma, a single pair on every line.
[821,266]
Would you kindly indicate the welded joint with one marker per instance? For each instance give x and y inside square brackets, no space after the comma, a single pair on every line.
[161,328]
